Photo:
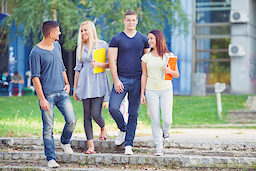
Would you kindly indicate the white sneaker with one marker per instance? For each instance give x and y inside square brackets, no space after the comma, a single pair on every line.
[67,149]
[10,94]
[19,94]
[128,150]
[159,152]
[120,138]
[53,164]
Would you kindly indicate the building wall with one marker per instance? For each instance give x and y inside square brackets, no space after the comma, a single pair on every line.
[243,68]
[182,46]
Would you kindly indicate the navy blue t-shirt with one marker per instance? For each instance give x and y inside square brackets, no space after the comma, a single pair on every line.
[130,51]
[49,67]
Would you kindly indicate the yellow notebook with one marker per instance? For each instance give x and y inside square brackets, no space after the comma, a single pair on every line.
[100,56]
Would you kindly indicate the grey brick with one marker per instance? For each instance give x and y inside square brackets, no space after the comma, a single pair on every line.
[99,159]
[74,143]
[65,158]
[58,158]
[42,156]
[25,156]
[1,156]
[124,159]
[82,144]
[205,161]
[16,156]
[133,159]
[91,159]
[141,160]
[35,156]
[168,161]
[105,145]
[177,163]
[149,160]
[7,156]
[108,159]
[75,158]
[83,159]
[117,159]
[159,160]
[223,161]
[97,145]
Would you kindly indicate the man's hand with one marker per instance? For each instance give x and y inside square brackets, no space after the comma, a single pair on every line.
[67,88]
[119,87]
[45,105]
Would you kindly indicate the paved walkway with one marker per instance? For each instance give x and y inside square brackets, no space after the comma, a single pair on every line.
[216,135]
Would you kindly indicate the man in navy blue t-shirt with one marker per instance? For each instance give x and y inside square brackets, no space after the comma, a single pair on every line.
[52,87]
[125,52]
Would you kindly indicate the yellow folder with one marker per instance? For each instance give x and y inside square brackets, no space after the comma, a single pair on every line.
[100,56]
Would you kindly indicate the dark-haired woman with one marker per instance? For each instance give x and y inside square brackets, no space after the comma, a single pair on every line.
[157,90]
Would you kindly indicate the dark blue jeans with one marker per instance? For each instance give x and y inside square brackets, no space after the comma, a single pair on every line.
[63,103]
[132,87]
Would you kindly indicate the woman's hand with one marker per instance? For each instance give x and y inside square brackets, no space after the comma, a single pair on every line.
[75,96]
[167,69]
[142,99]
[95,64]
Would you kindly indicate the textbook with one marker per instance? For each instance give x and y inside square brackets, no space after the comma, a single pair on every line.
[100,56]
[172,63]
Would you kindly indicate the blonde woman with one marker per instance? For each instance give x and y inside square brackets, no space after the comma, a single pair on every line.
[90,88]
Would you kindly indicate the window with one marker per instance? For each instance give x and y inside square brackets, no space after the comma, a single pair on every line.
[211,38]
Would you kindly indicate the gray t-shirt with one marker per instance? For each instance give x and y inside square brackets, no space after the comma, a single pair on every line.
[49,67]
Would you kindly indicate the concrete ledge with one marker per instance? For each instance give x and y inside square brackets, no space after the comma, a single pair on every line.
[109,146]
[167,161]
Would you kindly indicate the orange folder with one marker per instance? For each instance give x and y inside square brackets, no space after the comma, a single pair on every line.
[172,63]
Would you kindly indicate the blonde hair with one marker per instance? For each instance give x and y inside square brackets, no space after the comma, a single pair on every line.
[93,39]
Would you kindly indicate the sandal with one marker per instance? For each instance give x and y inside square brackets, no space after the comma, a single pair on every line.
[88,152]
[102,138]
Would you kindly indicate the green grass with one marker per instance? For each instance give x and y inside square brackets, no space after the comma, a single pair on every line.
[20,116]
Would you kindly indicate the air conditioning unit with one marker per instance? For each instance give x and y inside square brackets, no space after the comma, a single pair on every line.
[236,50]
[239,16]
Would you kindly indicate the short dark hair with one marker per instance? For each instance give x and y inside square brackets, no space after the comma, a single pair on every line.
[47,26]
[130,12]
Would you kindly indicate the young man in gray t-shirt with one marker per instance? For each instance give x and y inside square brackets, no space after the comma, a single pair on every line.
[51,83]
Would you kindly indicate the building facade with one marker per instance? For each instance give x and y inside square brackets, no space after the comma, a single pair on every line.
[220,47]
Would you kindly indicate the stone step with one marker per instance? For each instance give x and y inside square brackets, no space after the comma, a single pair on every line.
[109,146]
[166,161]
[143,150]
[242,116]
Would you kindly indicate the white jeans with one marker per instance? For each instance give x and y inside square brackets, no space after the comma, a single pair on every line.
[160,100]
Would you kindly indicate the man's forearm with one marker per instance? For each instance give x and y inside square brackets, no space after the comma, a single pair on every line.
[113,70]
[38,87]
[65,78]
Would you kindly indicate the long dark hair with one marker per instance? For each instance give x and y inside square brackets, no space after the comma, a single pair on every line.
[160,42]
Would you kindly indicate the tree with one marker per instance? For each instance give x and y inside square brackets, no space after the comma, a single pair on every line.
[107,16]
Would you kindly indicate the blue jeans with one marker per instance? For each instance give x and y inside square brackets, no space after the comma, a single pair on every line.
[63,103]
[132,87]
[160,100]
[12,85]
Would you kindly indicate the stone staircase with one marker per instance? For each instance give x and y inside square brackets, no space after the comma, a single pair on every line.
[27,154]
[247,115]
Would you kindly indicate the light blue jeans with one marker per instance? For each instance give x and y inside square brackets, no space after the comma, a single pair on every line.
[63,103]
[160,100]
